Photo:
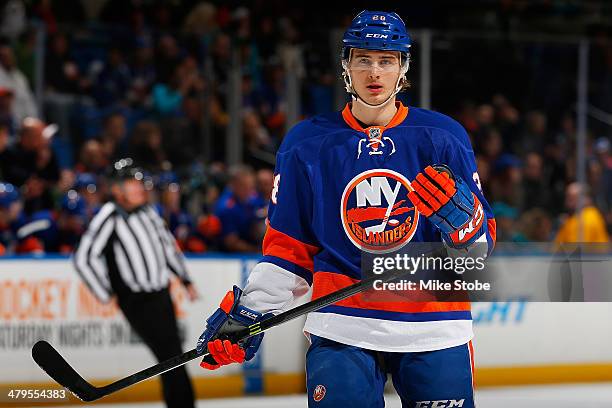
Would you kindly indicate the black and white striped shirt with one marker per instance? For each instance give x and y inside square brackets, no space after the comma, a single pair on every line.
[127,251]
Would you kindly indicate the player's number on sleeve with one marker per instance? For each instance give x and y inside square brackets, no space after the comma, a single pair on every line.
[476,179]
[275,189]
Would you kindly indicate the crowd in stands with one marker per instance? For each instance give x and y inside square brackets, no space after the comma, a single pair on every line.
[528,171]
[151,80]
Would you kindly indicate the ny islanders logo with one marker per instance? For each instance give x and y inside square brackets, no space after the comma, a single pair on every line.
[377,214]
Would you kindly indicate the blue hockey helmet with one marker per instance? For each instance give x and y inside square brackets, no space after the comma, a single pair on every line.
[376,30]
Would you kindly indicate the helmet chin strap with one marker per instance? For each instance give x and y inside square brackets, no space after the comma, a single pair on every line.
[348,83]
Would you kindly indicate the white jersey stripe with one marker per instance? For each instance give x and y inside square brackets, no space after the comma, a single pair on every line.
[129,242]
[386,335]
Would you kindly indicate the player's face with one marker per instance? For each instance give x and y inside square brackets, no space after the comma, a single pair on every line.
[374,74]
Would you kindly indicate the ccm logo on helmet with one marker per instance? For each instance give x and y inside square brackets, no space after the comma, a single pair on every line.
[374,35]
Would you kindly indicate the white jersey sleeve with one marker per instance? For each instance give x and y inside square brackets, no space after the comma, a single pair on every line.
[272,289]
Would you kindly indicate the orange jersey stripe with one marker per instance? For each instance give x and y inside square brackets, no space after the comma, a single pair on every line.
[283,246]
[328,282]
[492,224]
[471,347]
[400,115]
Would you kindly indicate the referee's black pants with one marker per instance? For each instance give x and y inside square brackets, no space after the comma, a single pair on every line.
[151,315]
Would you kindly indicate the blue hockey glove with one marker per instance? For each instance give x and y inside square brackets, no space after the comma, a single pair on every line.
[449,204]
[219,335]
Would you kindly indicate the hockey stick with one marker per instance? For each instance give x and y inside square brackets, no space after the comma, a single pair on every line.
[380,227]
[51,361]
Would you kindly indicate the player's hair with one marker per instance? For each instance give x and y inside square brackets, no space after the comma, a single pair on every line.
[405,84]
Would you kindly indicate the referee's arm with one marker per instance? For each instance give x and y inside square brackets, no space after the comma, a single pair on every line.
[88,257]
[174,257]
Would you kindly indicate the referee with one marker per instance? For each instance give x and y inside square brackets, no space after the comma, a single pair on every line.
[127,253]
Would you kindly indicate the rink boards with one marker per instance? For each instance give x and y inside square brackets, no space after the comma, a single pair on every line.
[516,342]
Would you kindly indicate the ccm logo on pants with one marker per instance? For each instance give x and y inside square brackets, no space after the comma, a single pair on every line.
[440,404]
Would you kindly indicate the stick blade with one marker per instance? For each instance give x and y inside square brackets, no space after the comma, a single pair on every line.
[58,368]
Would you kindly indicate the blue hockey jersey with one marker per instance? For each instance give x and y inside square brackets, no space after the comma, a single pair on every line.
[340,189]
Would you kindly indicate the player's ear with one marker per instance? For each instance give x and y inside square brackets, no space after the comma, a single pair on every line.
[405,83]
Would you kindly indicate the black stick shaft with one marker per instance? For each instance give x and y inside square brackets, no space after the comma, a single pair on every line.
[152,371]
[255,329]
[327,300]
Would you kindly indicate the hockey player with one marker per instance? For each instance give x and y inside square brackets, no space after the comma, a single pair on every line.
[342,181]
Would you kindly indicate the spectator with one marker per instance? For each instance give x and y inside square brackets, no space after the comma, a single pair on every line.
[168,97]
[93,158]
[273,104]
[10,211]
[71,221]
[584,223]
[601,175]
[63,83]
[535,225]
[534,137]
[505,216]
[44,11]
[179,222]
[259,149]
[506,183]
[12,78]
[535,188]
[219,118]
[484,117]
[200,22]
[35,233]
[7,122]
[290,50]
[31,165]
[167,58]
[183,134]
[484,174]
[25,53]
[4,140]
[266,37]
[113,137]
[113,81]
[146,146]
[237,211]
[221,57]
[507,119]
[489,144]
[61,71]
[14,19]
[89,188]
[142,72]
[265,185]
